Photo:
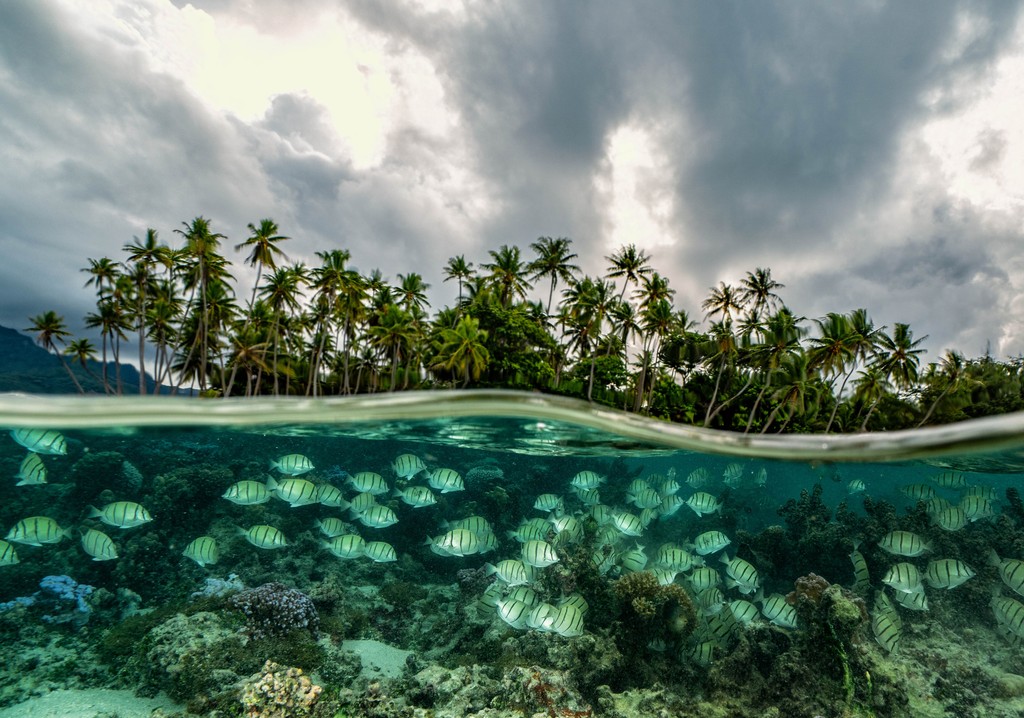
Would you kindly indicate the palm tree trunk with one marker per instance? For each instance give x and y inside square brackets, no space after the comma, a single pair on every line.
[714,394]
[935,403]
[737,395]
[839,397]
[757,402]
[106,384]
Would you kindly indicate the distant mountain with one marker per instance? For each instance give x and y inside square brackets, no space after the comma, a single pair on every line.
[27,367]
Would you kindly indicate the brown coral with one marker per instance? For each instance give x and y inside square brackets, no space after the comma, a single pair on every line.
[651,602]
[279,692]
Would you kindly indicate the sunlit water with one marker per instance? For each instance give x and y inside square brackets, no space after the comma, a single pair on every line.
[176,458]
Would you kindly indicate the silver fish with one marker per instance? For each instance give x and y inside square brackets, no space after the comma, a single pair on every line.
[121,514]
[292,464]
[98,545]
[203,551]
[32,471]
[41,441]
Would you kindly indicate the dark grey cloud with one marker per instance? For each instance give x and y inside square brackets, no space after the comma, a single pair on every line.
[783,129]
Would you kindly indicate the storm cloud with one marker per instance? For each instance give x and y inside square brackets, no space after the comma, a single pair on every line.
[852,148]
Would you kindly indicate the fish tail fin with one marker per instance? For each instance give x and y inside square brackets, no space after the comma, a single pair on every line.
[993,558]
[94,513]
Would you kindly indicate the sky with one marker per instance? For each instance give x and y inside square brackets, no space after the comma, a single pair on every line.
[871,154]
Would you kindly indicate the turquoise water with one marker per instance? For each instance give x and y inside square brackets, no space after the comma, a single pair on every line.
[624,620]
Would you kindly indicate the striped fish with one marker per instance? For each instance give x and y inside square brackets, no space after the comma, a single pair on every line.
[446,481]
[665,576]
[977,507]
[951,518]
[294,492]
[913,601]
[1009,614]
[380,552]
[744,611]
[903,577]
[886,624]
[568,621]
[457,542]
[741,574]
[407,466]
[531,530]
[98,545]
[331,526]
[346,546]
[477,524]
[203,551]
[602,515]
[703,653]
[264,536]
[361,502]
[292,464]
[1011,570]
[950,480]
[121,514]
[41,441]
[538,554]
[514,613]
[918,492]
[670,505]
[576,600]
[378,517]
[511,571]
[936,505]
[247,493]
[368,482]
[947,573]
[711,600]
[416,496]
[855,486]
[704,503]
[983,492]
[673,557]
[761,478]
[732,475]
[666,486]
[525,594]
[541,616]
[633,561]
[722,625]
[903,543]
[646,498]
[32,471]
[8,556]
[709,542]
[548,502]
[567,530]
[587,480]
[698,478]
[629,524]
[328,495]
[861,578]
[588,497]
[37,530]
[703,578]
[776,610]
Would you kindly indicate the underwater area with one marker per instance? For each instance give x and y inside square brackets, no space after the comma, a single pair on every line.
[502,554]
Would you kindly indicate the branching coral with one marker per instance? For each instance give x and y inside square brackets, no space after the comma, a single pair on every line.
[273,609]
[666,609]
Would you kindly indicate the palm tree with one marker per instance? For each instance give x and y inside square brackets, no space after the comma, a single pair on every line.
[264,252]
[459,269]
[757,289]
[110,320]
[462,350]
[327,281]
[554,260]
[780,339]
[281,294]
[144,255]
[798,389]
[655,289]
[832,352]
[392,335]
[723,300]
[412,292]
[899,356]
[50,331]
[869,389]
[83,352]
[629,263]
[657,321]
[103,273]
[951,372]
[201,264]
[508,274]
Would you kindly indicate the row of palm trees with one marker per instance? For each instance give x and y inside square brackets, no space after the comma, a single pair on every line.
[750,364]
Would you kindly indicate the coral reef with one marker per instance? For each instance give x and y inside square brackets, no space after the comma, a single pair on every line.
[279,692]
[652,611]
[275,610]
[60,599]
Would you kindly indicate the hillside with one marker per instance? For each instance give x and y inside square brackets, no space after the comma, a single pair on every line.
[26,367]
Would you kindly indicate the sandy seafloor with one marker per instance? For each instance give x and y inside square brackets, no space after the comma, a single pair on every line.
[89,703]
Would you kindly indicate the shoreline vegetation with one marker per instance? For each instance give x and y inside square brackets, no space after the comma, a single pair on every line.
[749,363]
